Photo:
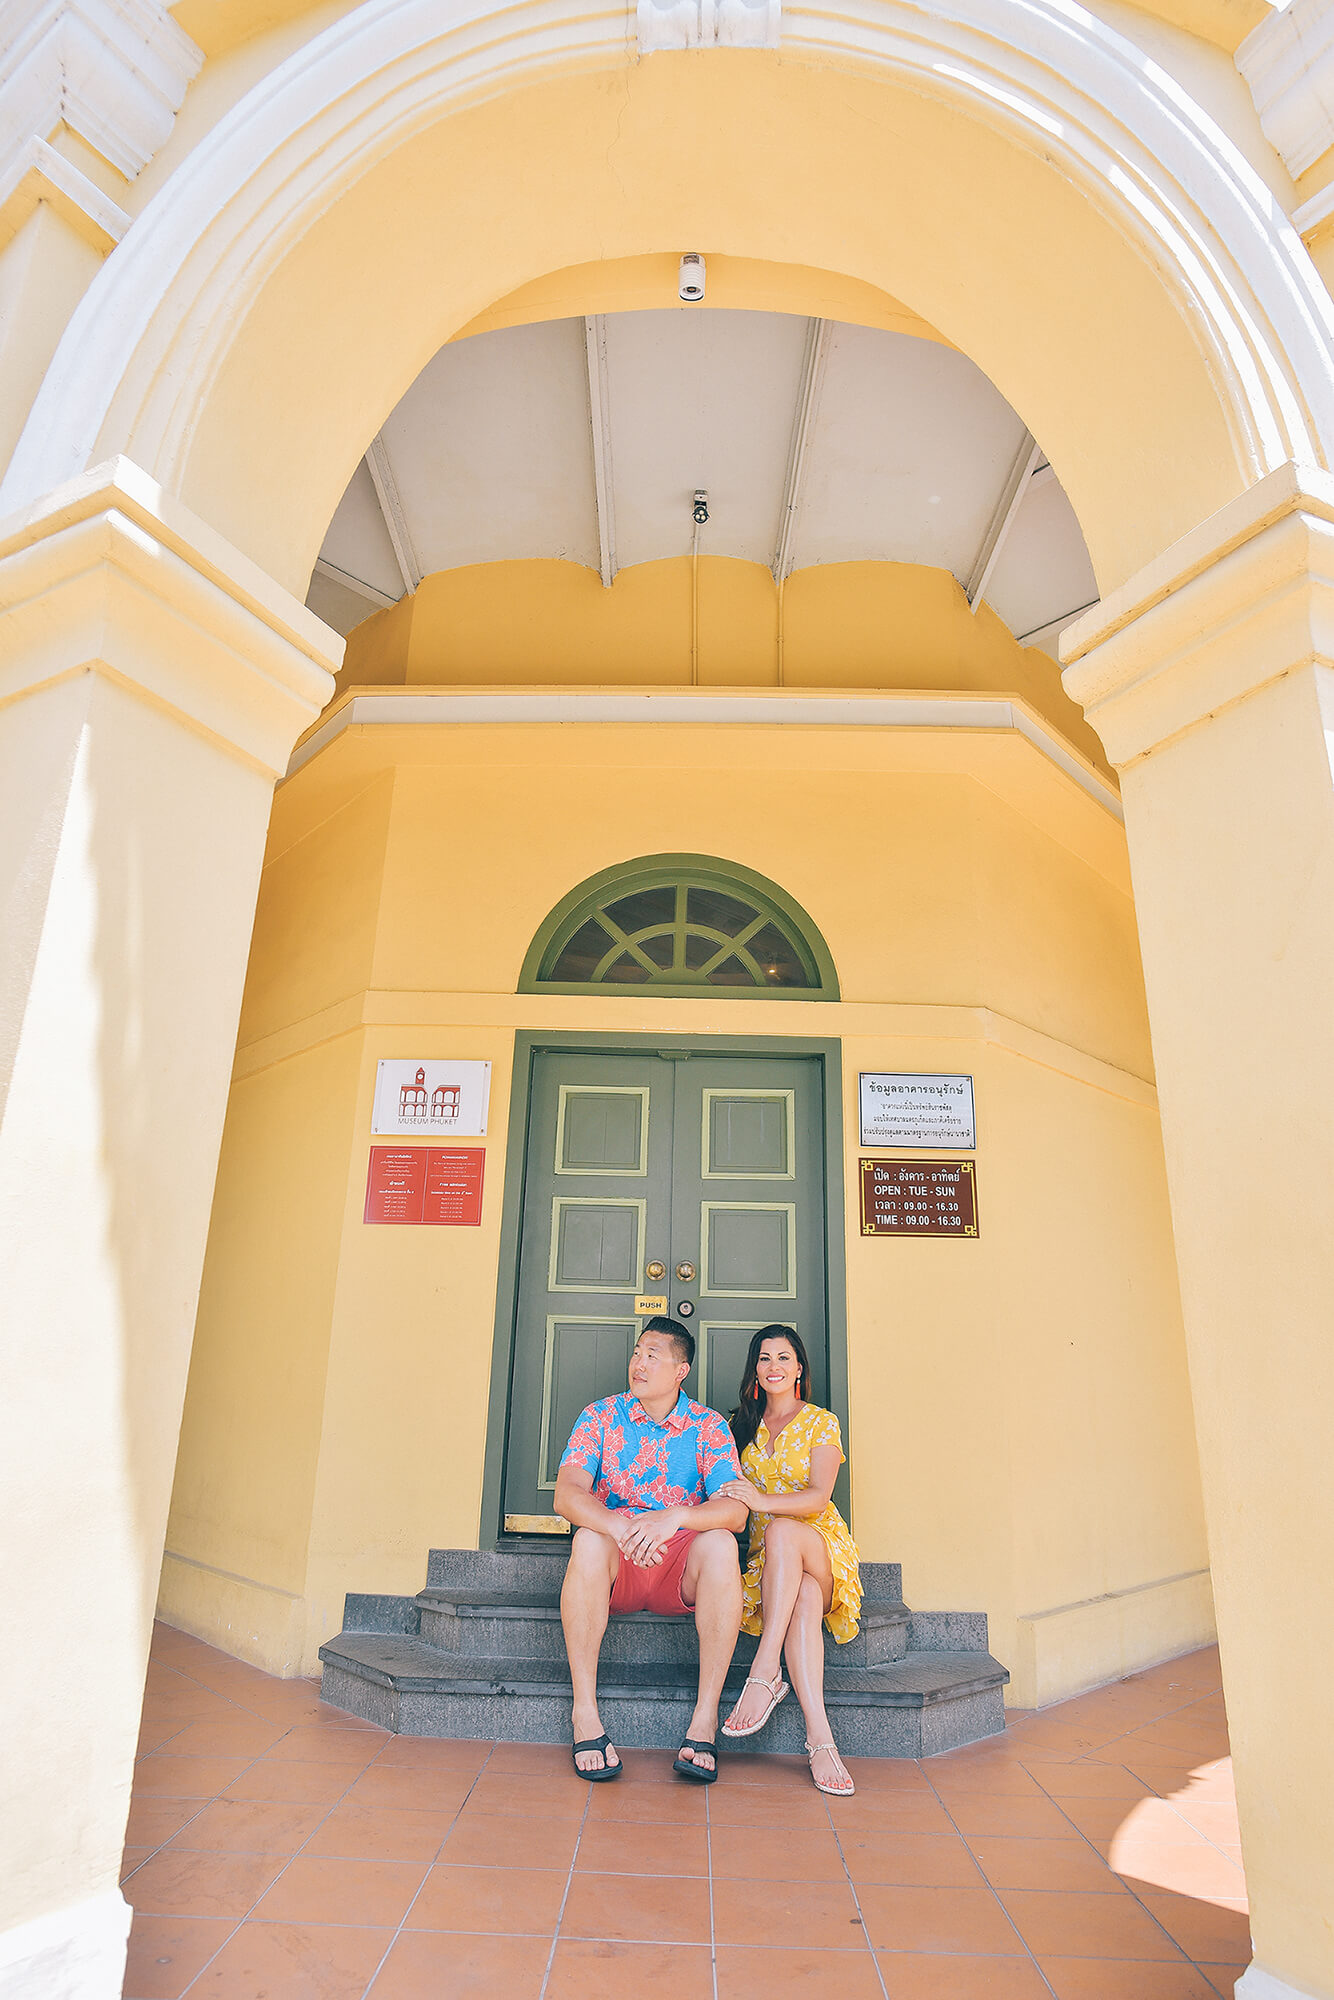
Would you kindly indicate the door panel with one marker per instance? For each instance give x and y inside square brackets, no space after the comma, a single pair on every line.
[712,1164]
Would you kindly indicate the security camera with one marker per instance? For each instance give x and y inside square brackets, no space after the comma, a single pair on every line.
[690,278]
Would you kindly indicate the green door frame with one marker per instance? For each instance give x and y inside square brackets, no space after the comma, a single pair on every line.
[527,1047]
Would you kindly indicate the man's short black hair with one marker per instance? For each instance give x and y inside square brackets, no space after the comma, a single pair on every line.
[682,1336]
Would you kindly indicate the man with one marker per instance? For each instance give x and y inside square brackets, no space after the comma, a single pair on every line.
[638,1484]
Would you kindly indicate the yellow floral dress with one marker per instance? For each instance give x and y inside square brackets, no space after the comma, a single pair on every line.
[787,1471]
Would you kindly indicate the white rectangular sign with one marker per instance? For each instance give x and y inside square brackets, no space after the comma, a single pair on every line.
[901,1109]
[431,1096]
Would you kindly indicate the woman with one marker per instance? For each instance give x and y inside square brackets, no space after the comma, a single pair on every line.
[803,1561]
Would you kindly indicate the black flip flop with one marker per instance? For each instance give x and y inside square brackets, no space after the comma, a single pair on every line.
[696,1772]
[608,1771]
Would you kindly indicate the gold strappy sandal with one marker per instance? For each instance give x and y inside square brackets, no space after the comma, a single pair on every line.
[834,1791]
[775,1689]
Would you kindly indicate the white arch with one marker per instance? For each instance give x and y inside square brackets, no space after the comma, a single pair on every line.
[135,364]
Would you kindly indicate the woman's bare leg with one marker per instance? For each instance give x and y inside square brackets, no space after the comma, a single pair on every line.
[804,1651]
[790,1549]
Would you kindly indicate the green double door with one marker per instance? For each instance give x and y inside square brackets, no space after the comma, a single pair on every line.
[695,1180]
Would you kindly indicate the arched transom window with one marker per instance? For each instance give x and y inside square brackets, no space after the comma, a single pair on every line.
[681,924]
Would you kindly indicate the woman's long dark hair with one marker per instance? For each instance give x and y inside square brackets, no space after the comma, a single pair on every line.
[745,1418]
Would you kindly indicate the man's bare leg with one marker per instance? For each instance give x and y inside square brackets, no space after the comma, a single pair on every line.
[584,1599]
[712,1583]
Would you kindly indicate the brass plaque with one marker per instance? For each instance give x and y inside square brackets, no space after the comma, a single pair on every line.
[651,1302]
[536,1524]
[919,1197]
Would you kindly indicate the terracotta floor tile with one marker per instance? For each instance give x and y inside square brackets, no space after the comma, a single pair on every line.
[1071,1924]
[647,1766]
[1203,1930]
[504,1840]
[530,1795]
[1199,1871]
[1090,1781]
[399,1785]
[533,1759]
[250,1826]
[783,1855]
[165,1776]
[1216,1819]
[910,1860]
[1223,1977]
[889,1812]
[154,1820]
[1026,1819]
[630,1847]
[513,1901]
[798,1806]
[438,1965]
[935,1920]
[439,1752]
[998,1777]
[239,1737]
[1123,1979]
[745,1972]
[132,1858]
[166,1953]
[175,1884]
[315,1889]
[294,1962]
[153,1735]
[1103,1821]
[677,1804]
[903,1775]
[381,1833]
[302,1784]
[928,1976]
[316,1743]
[586,1970]
[1042,1864]
[663,1909]
[823,1915]
[751,1767]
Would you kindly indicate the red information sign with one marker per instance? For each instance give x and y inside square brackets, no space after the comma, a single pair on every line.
[441,1184]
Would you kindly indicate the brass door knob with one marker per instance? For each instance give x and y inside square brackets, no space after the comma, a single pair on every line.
[655,1271]
[685,1272]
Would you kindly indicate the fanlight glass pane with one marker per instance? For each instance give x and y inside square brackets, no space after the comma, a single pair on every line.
[643,910]
[681,934]
[727,914]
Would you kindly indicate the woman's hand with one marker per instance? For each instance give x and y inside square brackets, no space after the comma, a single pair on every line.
[748,1494]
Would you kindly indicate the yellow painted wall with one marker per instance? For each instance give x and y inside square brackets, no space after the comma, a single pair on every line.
[844,625]
[977,906]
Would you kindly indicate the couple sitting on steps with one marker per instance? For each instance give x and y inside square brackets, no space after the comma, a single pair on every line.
[652,1486]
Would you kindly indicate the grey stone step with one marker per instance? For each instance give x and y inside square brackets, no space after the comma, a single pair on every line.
[521,1570]
[913,1708]
[495,1624]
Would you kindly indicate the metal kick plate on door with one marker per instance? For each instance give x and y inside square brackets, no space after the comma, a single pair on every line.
[536,1524]
[651,1302]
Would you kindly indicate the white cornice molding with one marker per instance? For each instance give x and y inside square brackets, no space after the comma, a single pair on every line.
[1245,598]
[1288,63]
[417,708]
[113,576]
[707,24]
[114,71]
[39,173]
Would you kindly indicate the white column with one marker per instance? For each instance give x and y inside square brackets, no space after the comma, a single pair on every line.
[152,682]
[1209,679]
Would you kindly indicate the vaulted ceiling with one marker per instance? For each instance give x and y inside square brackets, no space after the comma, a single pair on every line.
[816,442]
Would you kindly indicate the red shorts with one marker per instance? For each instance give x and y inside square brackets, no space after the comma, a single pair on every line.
[659,1587]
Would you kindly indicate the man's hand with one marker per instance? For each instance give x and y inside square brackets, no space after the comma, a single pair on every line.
[647,1535]
[747,1493]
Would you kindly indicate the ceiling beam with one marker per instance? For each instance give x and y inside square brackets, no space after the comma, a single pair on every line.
[599,417]
[1026,462]
[391,506]
[1053,625]
[803,427]
[332,574]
